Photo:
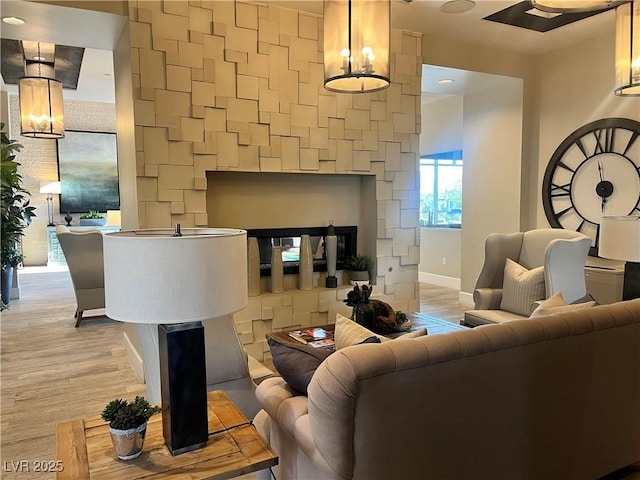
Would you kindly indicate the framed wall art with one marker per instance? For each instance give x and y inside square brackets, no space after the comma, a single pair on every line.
[88,172]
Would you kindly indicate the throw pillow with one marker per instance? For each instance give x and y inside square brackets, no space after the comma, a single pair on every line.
[556,304]
[521,288]
[348,332]
[295,363]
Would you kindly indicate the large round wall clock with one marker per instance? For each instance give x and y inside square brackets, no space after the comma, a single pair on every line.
[594,172]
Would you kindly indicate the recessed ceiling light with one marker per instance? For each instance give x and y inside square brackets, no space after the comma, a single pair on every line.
[445,81]
[14,21]
[457,6]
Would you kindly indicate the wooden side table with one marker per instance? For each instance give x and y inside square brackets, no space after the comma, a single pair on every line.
[234,448]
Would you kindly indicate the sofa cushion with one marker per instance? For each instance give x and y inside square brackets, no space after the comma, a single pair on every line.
[348,333]
[556,304]
[295,363]
[521,287]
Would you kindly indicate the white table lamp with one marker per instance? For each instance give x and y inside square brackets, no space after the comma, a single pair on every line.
[620,240]
[50,188]
[156,277]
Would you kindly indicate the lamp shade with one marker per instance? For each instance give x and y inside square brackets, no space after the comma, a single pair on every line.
[356,45]
[151,276]
[41,107]
[628,49]
[51,187]
[620,238]
[574,6]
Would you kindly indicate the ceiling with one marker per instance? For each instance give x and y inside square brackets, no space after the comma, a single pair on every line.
[98,32]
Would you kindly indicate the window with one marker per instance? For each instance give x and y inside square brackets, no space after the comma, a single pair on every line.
[441,190]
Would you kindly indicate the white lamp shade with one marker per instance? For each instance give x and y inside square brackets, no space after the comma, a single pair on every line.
[356,45]
[620,238]
[153,277]
[41,107]
[51,187]
[628,49]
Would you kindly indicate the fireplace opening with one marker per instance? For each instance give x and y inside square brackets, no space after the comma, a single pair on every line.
[289,239]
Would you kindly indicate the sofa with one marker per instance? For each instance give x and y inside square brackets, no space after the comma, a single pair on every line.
[551,397]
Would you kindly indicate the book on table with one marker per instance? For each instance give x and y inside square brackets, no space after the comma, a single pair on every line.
[316,337]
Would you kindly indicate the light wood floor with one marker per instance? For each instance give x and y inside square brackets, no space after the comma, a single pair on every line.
[51,372]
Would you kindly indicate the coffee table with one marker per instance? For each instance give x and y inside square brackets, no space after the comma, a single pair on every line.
[234,448]
[418,320]
[432,324]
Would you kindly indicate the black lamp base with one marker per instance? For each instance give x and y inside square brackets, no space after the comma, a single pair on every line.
[331,282]
[631,285]
[183,384]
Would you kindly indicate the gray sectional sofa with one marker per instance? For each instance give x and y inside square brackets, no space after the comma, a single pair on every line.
[553,397]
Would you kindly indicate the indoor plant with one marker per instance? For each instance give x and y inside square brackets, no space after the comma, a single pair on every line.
[128,425]
[93,218]
[16,213]
[359,266]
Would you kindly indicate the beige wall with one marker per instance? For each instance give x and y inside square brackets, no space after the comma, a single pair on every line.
[442,125]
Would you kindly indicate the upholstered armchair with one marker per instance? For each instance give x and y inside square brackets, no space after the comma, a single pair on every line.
[561,253]
[229,368]
[83,252]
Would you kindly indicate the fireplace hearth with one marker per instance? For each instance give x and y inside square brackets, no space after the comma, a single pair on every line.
[289,239]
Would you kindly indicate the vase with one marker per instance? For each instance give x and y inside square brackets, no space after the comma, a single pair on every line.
[94,222]
[7,284]
[331,252]
[364,314]
[128,443]
[253,266]
[68,219]
[359,277]
[305,264]
[277,271]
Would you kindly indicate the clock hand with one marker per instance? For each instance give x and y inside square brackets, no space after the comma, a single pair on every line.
[600,170]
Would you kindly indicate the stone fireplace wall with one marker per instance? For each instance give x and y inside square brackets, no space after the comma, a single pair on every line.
[235,86]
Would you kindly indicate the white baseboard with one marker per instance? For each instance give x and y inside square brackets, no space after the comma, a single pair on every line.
[465,298]
[134,358]
[441,280]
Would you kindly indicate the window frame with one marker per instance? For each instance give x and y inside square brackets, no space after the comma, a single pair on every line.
[444,159]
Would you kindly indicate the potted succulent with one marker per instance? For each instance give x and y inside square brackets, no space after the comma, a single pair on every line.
[93,219]
[15,211]
[359,267]
[128,425]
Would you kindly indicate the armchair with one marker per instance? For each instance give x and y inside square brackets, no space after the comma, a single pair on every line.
[229,368]
[562,253]
[83,252]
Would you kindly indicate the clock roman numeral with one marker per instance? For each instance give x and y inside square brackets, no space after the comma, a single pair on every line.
[566,167]
[604,140]
[579,144]
[562,213]
[560,190]
[633,138]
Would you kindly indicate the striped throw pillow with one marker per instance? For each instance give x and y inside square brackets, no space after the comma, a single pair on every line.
[521,287]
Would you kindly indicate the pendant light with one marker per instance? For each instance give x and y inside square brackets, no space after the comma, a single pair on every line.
[41,104]
[356,45]
[628,50]
[574,6]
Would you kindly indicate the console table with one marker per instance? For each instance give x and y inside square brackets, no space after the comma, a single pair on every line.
[54,250]
[84,449]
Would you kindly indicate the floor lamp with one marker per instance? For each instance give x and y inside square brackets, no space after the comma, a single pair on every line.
[620,240]
[50,188]
[177,279]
